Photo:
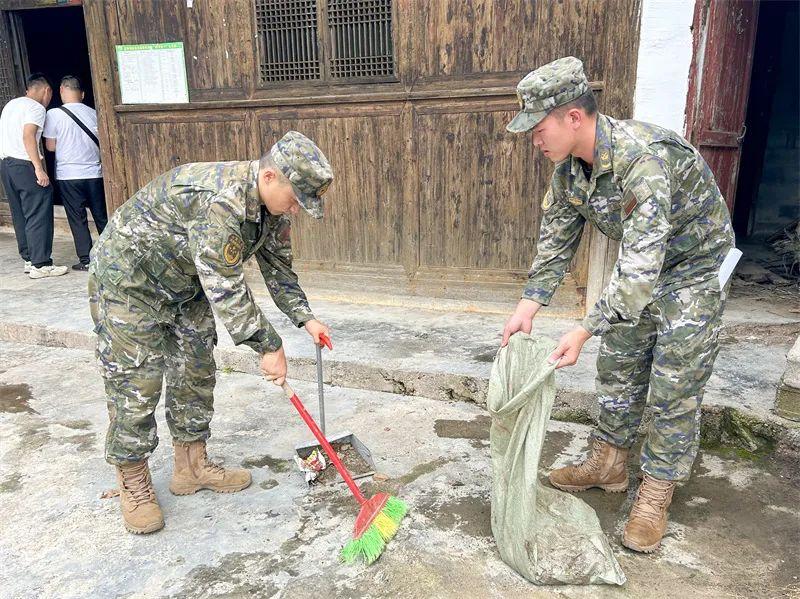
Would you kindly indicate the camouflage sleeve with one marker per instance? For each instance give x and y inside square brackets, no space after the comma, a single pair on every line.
[645,229]
[275,261]
[216,245]
[559,235]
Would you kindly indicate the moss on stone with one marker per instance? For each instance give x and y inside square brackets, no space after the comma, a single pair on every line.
[725,428]
[576,415]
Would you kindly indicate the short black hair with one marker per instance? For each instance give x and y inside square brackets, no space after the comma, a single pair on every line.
[71,82]
[586,102]
[36,79]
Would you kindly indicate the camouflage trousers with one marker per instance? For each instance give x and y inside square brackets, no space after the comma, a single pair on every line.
[669,354]
[139,356]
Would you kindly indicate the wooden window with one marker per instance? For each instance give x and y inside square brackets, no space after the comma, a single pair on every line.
[361,38]
[287,31]
[333,41]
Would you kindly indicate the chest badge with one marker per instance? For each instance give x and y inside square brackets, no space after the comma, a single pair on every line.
[574,200]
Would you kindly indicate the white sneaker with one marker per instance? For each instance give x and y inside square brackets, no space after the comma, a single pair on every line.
[47,271]
[28,266]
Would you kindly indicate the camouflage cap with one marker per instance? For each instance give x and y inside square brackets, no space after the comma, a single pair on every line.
[540,91]
[306,167]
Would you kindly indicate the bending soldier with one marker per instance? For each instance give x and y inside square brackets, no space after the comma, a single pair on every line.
[170,253]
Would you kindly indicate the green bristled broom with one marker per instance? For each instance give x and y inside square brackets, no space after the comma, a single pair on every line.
[380,516]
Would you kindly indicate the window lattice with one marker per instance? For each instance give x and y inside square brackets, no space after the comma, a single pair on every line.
[361,38]
[353,42]
[288,40]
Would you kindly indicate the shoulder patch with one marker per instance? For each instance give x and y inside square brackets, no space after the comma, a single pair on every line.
[547,201]
[232,251]
[635,195]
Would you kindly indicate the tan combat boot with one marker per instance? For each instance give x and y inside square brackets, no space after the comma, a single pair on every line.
[140,510]
[648,520]
[604,468]
[193,471]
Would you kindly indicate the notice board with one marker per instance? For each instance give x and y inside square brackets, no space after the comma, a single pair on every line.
[152,73]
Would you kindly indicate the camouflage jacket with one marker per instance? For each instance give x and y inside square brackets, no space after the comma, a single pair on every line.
[188,232]
[653,192]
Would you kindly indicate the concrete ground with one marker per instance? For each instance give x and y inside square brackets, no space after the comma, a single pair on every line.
[734,527]
[409,376]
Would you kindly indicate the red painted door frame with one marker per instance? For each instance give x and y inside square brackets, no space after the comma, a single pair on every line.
[724,34]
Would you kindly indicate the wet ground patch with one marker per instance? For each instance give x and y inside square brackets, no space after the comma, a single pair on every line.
[477,428]
[85,442]
[77,425]
[485,354]
[771,334]
[274,464]
[237,571]
[11,483]
[14,399]
[470,514]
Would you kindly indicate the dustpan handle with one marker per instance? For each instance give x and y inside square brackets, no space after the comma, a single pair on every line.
[329,451]
[325,341]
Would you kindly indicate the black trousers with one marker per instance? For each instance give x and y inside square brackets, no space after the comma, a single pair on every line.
[78,195]
[31,211]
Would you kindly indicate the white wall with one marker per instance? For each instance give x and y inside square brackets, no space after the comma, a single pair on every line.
[665,54]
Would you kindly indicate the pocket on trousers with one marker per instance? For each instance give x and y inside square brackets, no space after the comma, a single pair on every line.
[695,331]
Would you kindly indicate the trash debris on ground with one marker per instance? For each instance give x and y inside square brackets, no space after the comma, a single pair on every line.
[786,244]
[545,535]
[352,460]
[311,465]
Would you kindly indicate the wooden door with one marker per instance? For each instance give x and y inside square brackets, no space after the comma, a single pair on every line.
[9,89]
[719,85]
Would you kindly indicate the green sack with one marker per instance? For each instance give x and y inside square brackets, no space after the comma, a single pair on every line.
[545,535]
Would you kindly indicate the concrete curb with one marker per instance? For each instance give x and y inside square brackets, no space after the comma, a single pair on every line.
[752,431]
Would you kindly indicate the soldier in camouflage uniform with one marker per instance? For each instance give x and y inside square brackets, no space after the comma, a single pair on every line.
[660,315]
[170,253]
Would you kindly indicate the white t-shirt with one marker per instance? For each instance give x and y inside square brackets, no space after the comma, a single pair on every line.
[77,156]
[16,114]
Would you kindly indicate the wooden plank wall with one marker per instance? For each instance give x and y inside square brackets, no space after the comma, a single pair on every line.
[430,189]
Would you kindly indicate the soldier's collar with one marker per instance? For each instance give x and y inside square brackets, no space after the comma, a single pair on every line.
[603,149]
[575,167]
[253,203]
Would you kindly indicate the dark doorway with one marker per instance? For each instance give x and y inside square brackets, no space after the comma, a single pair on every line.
[767,206]
[53,41]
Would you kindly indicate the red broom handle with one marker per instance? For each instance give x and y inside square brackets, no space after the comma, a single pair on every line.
[324,442]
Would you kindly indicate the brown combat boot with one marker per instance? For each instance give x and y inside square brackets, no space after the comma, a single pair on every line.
[648,520]
[604,468]
[193,471]
[140,510]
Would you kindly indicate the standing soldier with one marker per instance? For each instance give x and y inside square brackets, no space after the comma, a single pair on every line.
[660,315]
[173,250]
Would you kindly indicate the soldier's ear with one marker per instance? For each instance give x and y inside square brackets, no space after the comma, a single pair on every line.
[575,117]
[268,175]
